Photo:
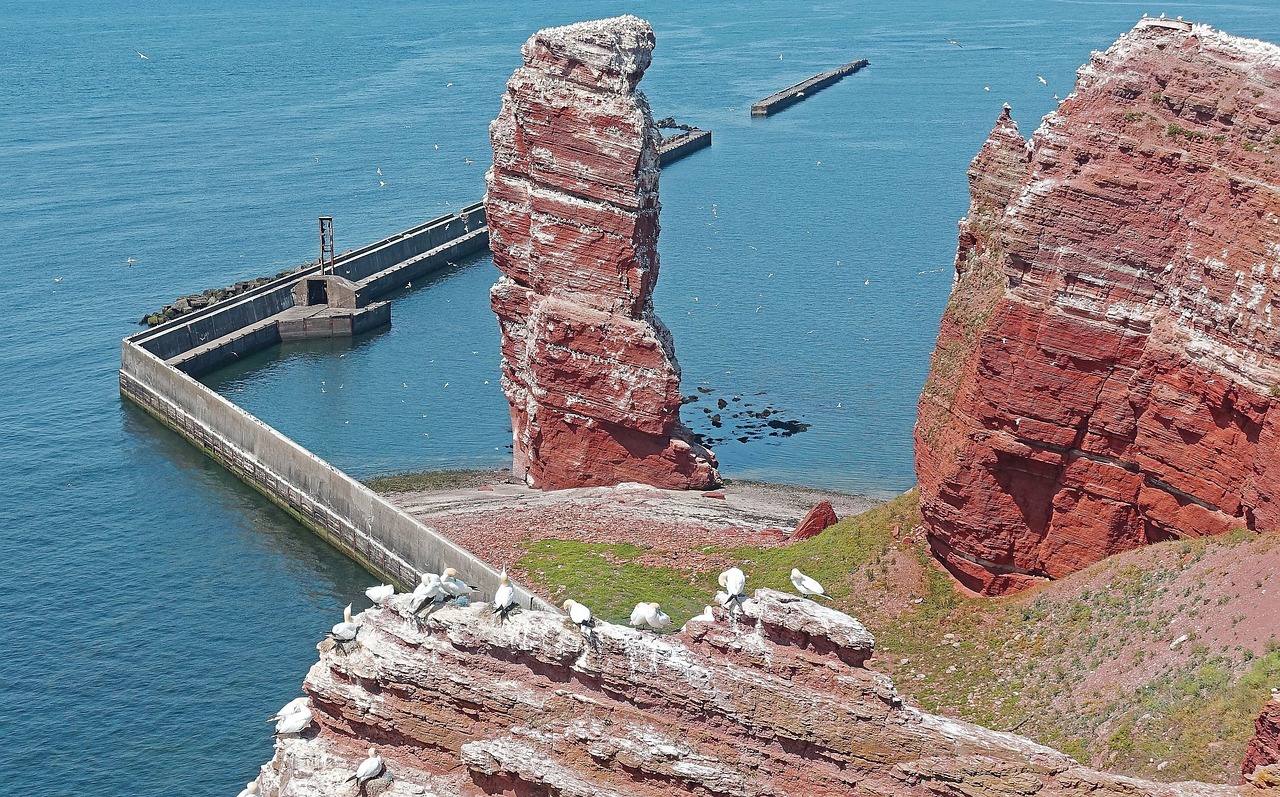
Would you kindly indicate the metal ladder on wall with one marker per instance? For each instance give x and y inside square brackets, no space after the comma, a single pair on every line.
[326,244]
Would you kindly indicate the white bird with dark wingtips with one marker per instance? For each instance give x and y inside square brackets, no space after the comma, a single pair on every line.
[650,614]
[380,594]
[297,722]
[429,592]
[580,615]
[734,581]
[292,707]
[369,769]
[805,585]
[504,600]
[454,586]
[346,630]
[250,789]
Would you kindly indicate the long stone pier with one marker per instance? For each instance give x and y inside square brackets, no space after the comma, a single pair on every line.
[156,372]
[806,88]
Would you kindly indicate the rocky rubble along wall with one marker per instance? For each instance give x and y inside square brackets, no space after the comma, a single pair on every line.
[774,701]
[1106,372]
[572,206]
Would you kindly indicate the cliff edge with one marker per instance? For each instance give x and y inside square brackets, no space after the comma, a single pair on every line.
[1107,369]
[773,700]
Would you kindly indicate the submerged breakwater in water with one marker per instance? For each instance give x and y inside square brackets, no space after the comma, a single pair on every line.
[158,608]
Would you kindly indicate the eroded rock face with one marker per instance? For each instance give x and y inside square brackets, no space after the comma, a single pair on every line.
[1264,747]
[572,206]
[774,700]
[815,521]
[1105,373]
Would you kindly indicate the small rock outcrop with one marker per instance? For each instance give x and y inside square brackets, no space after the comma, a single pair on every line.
[1108,367]
[1264,747]
[572,207]
[815,521]
[773,700]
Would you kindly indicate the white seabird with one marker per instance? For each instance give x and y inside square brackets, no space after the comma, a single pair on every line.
[805,585]
[346,630]
[429,592]
[580,615]
[250,789]
[369,769]
[296,722]
[734,581]
[504,600]
[454,586]
[650,614]
[292,707]
[380,594]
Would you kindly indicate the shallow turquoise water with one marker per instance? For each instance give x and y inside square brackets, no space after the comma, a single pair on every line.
[158,609]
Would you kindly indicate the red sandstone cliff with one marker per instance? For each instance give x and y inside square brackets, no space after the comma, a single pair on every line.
[1106,371]
[1264,747]
[777,701]
[572,207]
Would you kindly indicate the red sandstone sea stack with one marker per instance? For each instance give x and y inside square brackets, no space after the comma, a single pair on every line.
[1106,373]
[572,206]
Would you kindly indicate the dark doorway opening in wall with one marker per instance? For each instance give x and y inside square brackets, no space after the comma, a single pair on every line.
[317,292]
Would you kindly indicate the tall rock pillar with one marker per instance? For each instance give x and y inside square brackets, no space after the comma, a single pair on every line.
[572,206]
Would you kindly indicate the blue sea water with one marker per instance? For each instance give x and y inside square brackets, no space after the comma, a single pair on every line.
[156,609]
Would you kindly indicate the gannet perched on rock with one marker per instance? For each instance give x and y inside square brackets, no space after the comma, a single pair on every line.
[380,594]
[292,707]
[370,768]
[805,585]
[734,581]
[504,600]
[454,586]
[250,789]
[297,722]
[581,616]
[650,614]
[346,630]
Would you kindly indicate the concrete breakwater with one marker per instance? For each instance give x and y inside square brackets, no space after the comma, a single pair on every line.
[156,373]
[793,94]
[682,144]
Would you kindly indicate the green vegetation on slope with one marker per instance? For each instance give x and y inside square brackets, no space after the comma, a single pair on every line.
[1029,663]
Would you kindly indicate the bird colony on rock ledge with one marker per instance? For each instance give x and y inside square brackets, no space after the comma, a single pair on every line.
[1108,367]
[572,205]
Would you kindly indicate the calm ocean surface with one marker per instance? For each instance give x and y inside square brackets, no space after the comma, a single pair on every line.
[157,609]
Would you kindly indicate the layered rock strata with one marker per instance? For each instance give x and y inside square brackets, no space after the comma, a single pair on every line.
[1264,747]
[572,206]
[775,700]
[1107,371]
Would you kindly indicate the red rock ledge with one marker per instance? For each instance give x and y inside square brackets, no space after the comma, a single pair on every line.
[1264,747]
[1106,373]
[776,701]
[572,206]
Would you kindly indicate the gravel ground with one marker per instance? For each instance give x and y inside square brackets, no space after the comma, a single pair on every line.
[495,519]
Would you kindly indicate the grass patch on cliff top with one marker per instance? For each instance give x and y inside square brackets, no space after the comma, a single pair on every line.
[428,480]
[1029,663]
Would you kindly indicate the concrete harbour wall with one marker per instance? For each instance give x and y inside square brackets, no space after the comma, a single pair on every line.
[383,538]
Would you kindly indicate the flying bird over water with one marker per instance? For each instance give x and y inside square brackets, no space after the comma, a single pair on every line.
[805,585]
[370,768]
[380,594]
[1043,82]
[141,56]
[956,43]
